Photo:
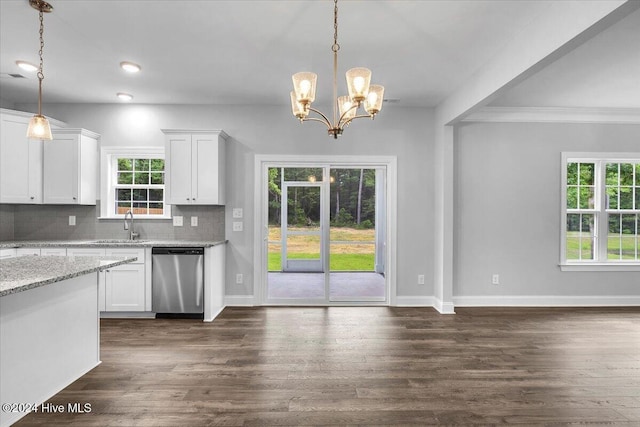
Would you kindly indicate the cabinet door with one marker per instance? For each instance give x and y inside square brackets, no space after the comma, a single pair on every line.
[205,177]
[124,288]
[61,170]
[178,163]
[20,163]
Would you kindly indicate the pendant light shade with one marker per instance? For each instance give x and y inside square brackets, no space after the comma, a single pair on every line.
[39,128]
[346,108]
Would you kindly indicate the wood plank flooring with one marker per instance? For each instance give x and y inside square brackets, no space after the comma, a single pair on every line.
[283,366]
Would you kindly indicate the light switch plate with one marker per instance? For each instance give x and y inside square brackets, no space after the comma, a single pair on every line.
[177,221]
[72,220]
[194,221]
[237,225]
[237,212]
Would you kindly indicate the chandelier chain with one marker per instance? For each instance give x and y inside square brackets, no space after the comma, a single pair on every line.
[40,70]
[336,46]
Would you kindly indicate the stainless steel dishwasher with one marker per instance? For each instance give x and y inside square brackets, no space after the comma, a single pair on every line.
[177,280]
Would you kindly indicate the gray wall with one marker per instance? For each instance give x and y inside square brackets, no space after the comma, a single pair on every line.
[7,222]
[507,209]
[402,132]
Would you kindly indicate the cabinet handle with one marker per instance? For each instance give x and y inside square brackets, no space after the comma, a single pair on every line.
[32,197]
[74,198]
[188,198]
[194,199]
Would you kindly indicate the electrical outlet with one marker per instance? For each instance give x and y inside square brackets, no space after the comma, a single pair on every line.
[194,221]
[72,220]
[420,279]
[237,212]
[177,221]
[237,225]
[239,279]
[495,279]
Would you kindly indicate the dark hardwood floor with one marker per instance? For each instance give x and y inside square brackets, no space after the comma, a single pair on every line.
[364,366]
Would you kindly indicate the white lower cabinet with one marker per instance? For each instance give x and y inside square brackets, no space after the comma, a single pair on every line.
[121,288]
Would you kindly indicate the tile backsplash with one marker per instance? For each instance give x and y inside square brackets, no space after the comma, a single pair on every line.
[51,222]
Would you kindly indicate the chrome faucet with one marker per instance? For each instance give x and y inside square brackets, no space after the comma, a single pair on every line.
[129,226]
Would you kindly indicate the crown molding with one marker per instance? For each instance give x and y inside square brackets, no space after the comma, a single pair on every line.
[555,115]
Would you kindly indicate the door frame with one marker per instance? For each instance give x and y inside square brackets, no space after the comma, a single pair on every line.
[261,233]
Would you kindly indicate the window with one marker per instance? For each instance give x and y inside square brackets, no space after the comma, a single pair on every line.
[139,186]
[133,180]
[601,209]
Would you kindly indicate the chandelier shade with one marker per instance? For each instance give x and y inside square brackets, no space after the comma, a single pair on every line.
[345,108]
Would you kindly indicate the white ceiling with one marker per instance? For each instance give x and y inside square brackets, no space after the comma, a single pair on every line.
[244,52]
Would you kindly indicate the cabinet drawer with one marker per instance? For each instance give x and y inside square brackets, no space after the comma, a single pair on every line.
[53,252]
[85,251]
[127,252]
[27,251]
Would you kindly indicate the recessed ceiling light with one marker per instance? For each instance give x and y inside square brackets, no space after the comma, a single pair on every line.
[130,67]
[124,96]
[27,66]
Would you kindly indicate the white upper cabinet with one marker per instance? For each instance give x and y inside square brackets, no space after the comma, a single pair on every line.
[20,161]
[195,167]
[71,167]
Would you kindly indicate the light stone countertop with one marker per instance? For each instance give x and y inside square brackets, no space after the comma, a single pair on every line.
[108,243]
[28,272]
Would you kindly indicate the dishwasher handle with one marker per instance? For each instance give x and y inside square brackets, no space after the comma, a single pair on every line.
[177,251]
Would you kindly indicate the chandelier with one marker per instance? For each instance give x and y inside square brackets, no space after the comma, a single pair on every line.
[39,127]
[345,108]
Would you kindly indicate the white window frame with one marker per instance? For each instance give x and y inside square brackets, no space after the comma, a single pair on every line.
[108,156]
[601,261]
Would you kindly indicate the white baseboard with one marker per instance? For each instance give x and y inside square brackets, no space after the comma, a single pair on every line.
[546,301]
[239,300]
[215,314]
[444,307]
[415,301]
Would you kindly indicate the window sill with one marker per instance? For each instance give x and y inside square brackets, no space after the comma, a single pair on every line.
[595,266]
[136,218]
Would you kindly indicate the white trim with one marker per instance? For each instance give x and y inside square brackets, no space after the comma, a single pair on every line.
[218,132]
[263,161]
[415,301]
[444,307]
[214,314]
[555,115]
[239,301]
[600,266]
[546,301]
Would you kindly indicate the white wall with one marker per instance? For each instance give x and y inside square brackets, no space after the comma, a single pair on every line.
[507,214]
[402,132]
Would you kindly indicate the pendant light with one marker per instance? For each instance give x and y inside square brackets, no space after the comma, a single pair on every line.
[39,127]
[361,93]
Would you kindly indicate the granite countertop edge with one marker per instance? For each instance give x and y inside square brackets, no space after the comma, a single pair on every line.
[9,287]
[100,243]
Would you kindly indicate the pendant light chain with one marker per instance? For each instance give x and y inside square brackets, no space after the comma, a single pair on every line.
[335,48]
[41,69]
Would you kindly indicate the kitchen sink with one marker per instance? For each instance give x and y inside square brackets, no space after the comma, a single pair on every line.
[116,241]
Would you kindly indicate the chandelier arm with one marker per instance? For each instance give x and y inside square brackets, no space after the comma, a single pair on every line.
[324,119]
[315,119]
[355,106]
[360,116]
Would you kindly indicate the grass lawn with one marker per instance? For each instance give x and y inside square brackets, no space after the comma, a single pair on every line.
[615,245]
[355,252]
[337,262]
